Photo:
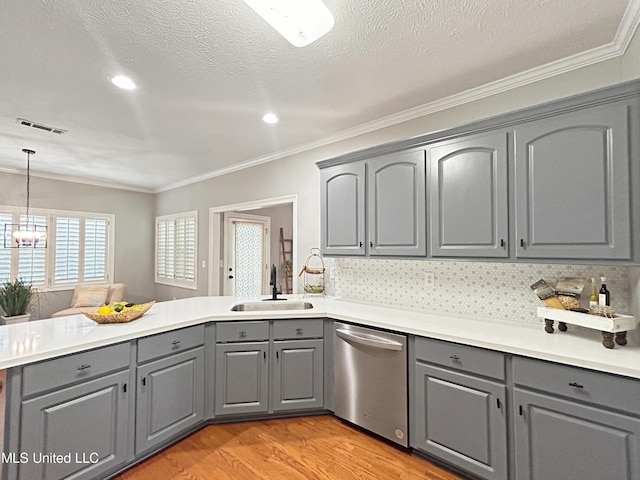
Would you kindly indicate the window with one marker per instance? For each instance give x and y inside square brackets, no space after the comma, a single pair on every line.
[79,249]
[176,249]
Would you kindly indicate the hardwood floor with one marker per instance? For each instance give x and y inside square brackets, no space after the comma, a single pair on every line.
[307,448]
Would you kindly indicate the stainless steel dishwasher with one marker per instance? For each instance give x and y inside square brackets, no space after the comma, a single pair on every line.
[370,384]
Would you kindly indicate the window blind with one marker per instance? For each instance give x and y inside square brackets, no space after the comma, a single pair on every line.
[176,249]
[79,249]
[5,253]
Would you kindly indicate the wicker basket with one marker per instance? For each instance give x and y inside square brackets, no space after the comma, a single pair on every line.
[120,317]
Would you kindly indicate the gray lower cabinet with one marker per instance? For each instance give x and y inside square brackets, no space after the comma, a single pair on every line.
[468,213]
[77,432]
[342,209]
[574,424]
[267,372]
[298,380]
[556,438]
[459,411]
[572,188]
[170,386]
[242,378]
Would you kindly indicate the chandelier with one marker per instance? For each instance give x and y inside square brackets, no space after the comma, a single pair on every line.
[27,234]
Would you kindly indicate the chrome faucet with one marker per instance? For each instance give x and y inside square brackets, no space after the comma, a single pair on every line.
[274,279]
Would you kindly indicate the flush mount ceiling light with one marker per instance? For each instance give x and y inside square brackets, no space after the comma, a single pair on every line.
[270,118]
[123,82]
[299,21]
[27,234]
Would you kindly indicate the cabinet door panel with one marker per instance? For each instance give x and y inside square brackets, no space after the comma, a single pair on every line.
[298,375]
[241,378]
[87,424]
[342,207]
[468,193]
[561,439]
[572,185]
[396,189]
[462,420]
[170,397]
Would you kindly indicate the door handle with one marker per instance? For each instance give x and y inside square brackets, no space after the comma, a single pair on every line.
[369,340]
[230,276]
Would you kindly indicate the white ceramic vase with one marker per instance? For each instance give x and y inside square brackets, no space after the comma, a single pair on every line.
[15,319]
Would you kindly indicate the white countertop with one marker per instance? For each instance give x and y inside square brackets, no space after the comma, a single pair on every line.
[42,339]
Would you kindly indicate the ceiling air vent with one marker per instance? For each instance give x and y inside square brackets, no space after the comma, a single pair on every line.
[39,126]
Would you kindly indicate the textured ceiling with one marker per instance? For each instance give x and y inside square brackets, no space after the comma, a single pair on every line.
[208,70]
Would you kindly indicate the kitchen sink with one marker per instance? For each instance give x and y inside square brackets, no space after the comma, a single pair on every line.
[271,305]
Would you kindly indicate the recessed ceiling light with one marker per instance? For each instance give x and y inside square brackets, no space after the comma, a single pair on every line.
[123,82]
[299,21]
[270,118]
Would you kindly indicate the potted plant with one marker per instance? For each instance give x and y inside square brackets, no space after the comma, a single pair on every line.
[15,298]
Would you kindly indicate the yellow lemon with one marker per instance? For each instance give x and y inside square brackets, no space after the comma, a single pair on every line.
[106,310]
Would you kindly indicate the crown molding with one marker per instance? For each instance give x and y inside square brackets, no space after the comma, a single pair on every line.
[83,181]
[624,35]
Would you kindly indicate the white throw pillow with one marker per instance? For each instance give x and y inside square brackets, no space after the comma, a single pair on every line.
[90,295]
[116,292]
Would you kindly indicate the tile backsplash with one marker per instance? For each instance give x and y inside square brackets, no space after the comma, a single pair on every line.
[487,289]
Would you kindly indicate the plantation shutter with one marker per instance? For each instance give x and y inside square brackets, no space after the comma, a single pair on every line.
[161,249]
[32,262]
[5,253]
[95,249]
[176,250]
[67,251]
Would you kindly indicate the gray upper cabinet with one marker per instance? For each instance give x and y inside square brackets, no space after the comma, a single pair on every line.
[342,208]
[468,197]
[396,202]
[572,194]
[551,182]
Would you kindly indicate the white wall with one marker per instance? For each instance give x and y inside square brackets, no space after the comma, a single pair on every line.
[298,174]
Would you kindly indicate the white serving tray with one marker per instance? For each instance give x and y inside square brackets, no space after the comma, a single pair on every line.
[619,323]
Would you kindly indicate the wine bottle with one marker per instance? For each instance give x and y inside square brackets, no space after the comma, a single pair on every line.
[593,299]
[604,297]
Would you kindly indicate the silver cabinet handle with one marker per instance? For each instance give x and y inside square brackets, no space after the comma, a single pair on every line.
[455,358]
[83,367]
[242,333]
[175,342]
[369,340]
[299,331]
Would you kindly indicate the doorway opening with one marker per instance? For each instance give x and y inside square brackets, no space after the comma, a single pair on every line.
[247,254]
[235,234]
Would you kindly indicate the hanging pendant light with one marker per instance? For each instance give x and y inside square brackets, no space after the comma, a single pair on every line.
[27,234]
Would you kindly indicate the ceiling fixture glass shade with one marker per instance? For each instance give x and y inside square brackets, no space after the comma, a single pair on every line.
[123,82]
[270,118]
[299,21]
[27,234]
